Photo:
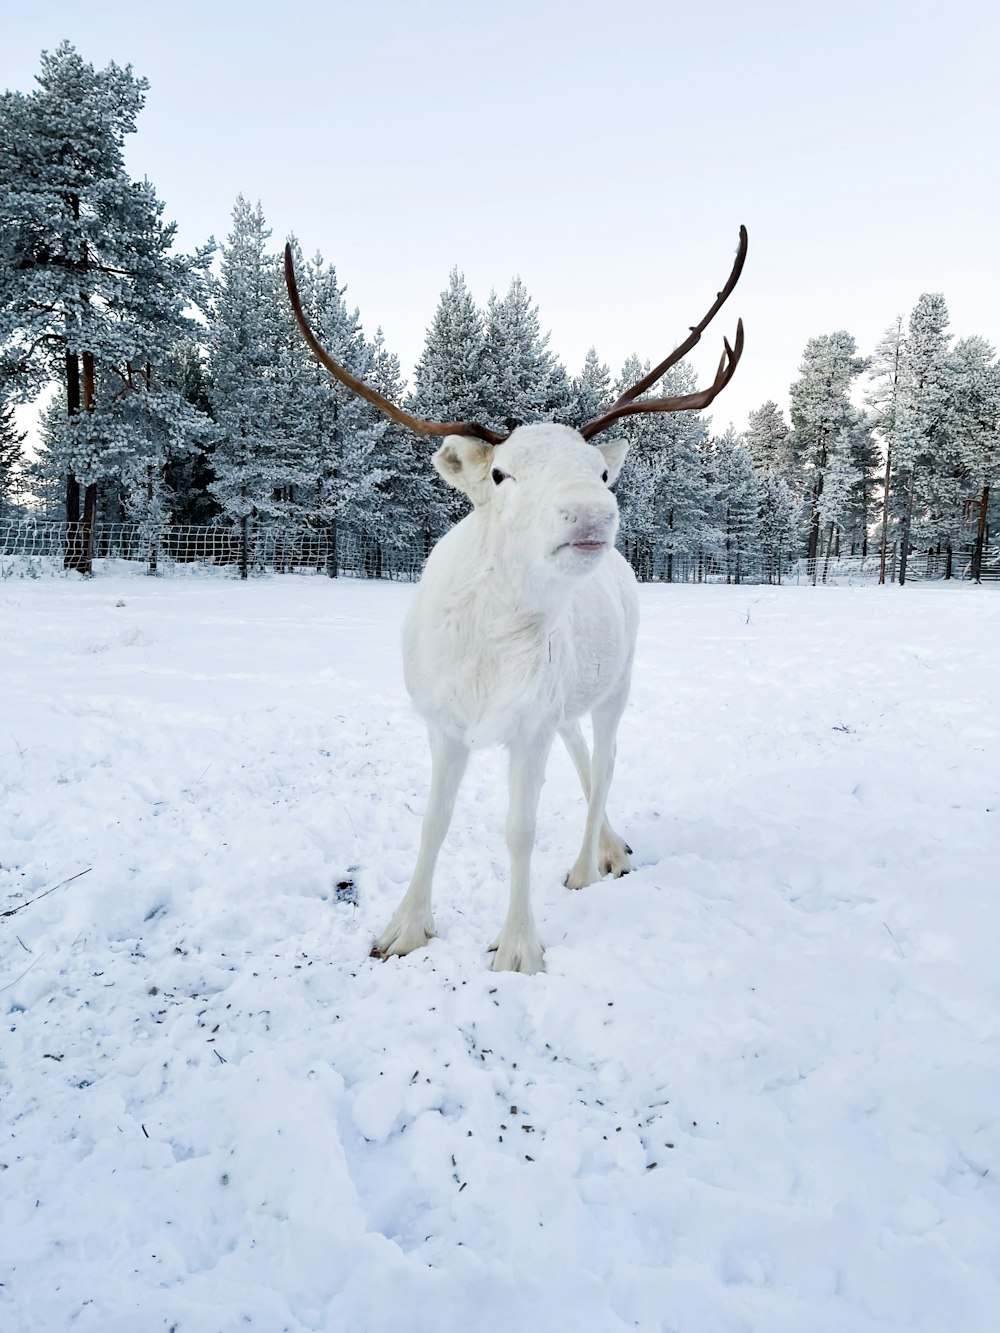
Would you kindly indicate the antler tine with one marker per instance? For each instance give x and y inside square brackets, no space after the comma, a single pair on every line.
[687,402]
[626,405]
[363,390]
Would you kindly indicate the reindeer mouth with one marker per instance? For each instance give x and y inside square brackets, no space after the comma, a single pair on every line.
[585,546]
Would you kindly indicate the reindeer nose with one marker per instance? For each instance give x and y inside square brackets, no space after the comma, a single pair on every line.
[591,516]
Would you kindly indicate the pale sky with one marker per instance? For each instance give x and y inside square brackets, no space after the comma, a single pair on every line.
[605,153]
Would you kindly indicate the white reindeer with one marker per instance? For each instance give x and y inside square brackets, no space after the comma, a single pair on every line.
[524,619]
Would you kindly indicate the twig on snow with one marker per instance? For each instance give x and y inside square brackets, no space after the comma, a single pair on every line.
[23,974]
[11,911]
[894,940]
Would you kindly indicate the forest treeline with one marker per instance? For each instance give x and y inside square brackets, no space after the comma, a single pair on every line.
[180,390]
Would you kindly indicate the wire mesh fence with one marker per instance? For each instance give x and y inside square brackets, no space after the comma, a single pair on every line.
[36,546]
[251,548]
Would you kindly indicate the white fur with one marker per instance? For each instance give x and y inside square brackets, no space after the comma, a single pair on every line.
[515,632]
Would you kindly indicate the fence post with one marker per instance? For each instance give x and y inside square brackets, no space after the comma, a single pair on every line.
[243,546]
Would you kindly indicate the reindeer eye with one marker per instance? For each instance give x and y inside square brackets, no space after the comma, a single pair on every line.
[604,475]
[499,476]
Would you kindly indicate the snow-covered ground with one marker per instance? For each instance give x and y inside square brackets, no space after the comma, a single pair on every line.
[758,1088]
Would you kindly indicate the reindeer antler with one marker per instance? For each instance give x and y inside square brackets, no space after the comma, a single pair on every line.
[364,390]
[626,404]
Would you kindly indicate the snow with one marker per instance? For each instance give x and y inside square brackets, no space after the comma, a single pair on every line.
[756,1090]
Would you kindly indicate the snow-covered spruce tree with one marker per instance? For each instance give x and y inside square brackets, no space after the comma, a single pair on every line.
[305,404]
[591,390]
[336,433]
[406,493]
[636,486]
[883,399]
[776,513]
[560,397]
[682,499]
[839,485]
[925,416]
[11,454]
[868,462]
[821,409]
[766,439]
[157,426]
[246,335]
[524,381]
[449,382]
[662,493]
[977,434]
[91,295]
[738,501]
[44,473]
[189,475]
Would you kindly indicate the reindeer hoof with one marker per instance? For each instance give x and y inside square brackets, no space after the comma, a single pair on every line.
[518,955]
[400,938]
[580,878]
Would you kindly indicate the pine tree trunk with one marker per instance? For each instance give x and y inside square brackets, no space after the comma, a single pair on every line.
[71,558]
[154,535]
[829,550]
[80,532]
[904,543]
[90,495]
[885,515]
[812,552]
[977,550]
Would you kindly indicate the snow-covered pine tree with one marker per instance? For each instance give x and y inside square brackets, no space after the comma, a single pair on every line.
[449,382]
[663,494]
[926,413]
[738,501]
[591,390]
[884,398]
[637,482]
[246,334]
[406,502]
[520,369]
[11,454]
[776,513]
[682,499]
[766,439]
[189,475]
[44,474]
[867,461]
[977,435]
[821,408]
[339,433]
[297,381]
[90,291]
[839,484]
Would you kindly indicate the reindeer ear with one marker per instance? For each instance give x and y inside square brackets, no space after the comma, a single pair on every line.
[465,464]
[614,455]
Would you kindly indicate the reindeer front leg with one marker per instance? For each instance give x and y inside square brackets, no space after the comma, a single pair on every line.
[518,948]
[413,925]
[604,851]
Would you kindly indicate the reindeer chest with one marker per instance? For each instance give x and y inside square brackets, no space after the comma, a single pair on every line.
[484,676]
